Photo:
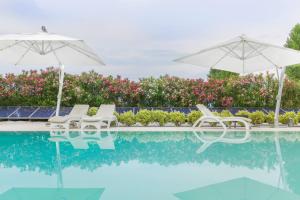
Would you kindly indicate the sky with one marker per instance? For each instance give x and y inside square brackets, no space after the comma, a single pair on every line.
[141,38]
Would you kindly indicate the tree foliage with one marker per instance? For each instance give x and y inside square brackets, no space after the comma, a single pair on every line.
[221,74]
[293,42]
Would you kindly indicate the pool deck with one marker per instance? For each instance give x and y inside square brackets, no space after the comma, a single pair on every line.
[43,126]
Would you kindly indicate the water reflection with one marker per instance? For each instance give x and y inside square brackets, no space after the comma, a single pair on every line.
[208,141]
[52,194]
[122,161]
[237,189]
[251,189]
[79,140]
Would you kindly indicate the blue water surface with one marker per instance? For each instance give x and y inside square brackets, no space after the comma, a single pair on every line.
[147,165]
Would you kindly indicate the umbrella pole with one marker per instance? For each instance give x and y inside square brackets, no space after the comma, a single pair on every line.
[278,98]
[61,84]
[59,171]
[280,162]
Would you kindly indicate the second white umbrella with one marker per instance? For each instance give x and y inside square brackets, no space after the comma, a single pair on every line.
[245,55]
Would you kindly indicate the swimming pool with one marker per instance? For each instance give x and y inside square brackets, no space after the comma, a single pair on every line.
[147,165]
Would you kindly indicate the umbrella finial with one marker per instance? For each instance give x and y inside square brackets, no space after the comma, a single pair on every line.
[243,36]
[44,29]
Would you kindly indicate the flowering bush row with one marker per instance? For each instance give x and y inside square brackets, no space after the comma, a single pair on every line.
[40,88]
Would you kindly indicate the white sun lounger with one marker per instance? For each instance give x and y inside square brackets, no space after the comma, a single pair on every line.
[104,117]
[208,116]
[74,116]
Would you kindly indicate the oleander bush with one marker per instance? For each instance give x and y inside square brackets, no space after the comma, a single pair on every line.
[32,88]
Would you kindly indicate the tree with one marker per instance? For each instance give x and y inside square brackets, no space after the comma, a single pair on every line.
[293,41]
[221,74]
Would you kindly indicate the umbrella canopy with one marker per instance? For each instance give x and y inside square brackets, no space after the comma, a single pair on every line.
[237,189]
[46,49]
[52,194]
[245,55]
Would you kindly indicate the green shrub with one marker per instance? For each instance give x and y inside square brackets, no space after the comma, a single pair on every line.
[159,116]
[193,116]
[226,113]
[92,111]
[243,113]
[298,116]
[285,118]
[177,118]
[144,117]
[127,118]
[214,124]
[270,117]
[257,117]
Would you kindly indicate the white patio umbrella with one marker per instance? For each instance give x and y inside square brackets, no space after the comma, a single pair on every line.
[47,49]
[244,55]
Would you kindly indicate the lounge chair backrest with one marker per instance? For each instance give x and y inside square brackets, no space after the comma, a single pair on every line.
[205,111]
[79,110]
[106,110]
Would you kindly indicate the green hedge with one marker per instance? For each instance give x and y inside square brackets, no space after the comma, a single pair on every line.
[146,117]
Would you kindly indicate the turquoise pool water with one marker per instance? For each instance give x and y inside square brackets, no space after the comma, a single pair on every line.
[147,165]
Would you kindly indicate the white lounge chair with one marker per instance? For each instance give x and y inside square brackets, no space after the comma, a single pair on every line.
[104,117]
[74,116]
[208,116]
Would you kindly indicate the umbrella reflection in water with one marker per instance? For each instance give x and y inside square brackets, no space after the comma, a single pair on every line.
[79,140]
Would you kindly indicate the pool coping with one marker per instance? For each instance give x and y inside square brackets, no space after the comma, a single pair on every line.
[43,126]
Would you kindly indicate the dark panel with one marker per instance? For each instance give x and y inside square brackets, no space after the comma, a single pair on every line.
[64,111]
[254,109]
[167,109]
[234,110]
[121,110]
[5,111]
[184,110]
[216,109]
[136,109]
[43,113]
[23,112]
